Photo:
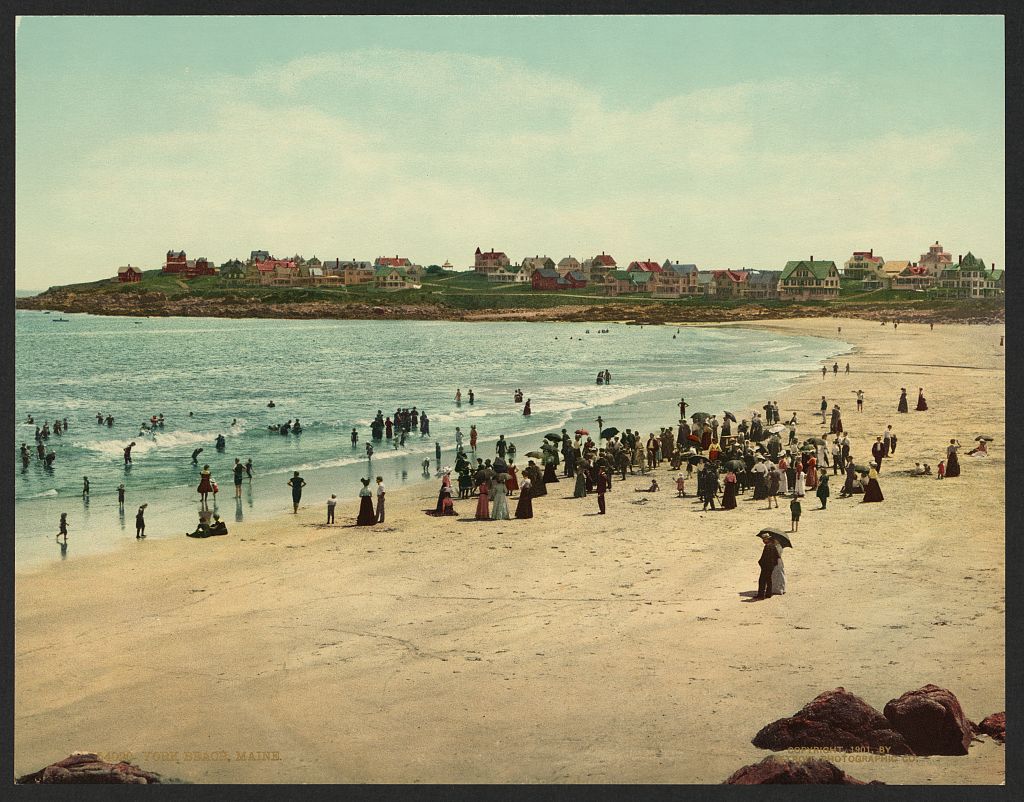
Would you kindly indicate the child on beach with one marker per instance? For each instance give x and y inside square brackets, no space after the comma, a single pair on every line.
[942,469]
[794,514]
[63,527]
[680,486]
[120,497]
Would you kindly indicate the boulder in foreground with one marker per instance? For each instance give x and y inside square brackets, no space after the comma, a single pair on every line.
[931,720]
[994,726]
[86,767]
[834,719]
[772,771]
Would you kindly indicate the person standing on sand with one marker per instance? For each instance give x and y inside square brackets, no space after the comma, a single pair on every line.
[769,557]
[63,530]
[824,372]
[499,491]
[140,522]
[366,516]
[296,483]
[872,492]
[847,367]
[524,508]
[922,405]
[822,492]
[774,480]
[205,485]
[381,491]
[877,452]
[952,459]
[902,405]
[824,410]
[332,502]
[835,368]
[483,500]
[602,488]
[472,432]
[860,400]
[794,514]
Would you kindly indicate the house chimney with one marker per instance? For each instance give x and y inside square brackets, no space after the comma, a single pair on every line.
[812,257]
[871,253]
[960,259]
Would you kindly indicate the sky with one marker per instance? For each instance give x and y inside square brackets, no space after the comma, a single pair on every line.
[730,141]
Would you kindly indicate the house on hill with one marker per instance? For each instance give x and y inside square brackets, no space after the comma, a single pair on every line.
[233,270]
[675,280]
[936,260]
[129,274]
[547,278]
[809,280]
[644,266]
[259,256]
[487,262]
[178,264]
[387,277]
[626,282]
[970,278]
[568,265]
[511,274]
[532,263]
[729,283]
[882,278]
[913,277]
[597,267]
[762,285]
[862,264]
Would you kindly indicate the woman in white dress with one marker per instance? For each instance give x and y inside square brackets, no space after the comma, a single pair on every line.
[779,573]
[784,478]
[798,484]
[499,505]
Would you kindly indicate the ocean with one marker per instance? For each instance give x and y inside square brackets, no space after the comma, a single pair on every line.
[334,375]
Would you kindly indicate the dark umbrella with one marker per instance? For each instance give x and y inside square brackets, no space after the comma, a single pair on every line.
[730,416]
[611,431]
[984,437]
[736,465]
[775,533]
[861,469]
[701,416]
[534,454]
[554,438]
[697,459]
[818,441]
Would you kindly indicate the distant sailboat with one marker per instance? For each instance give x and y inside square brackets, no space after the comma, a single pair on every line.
[60,320]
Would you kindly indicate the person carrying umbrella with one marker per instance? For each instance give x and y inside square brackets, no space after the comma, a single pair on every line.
[767,562]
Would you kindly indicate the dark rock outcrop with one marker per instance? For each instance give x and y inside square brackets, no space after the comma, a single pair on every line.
[931,720]
[834,719]
[772,771]
[993,726]
[86,767]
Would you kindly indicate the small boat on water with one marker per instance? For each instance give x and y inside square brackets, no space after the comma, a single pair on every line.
[60,320]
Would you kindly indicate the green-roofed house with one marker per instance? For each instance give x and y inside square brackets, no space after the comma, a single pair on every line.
[971,278]
[809,280]
[621,282]
[390,278]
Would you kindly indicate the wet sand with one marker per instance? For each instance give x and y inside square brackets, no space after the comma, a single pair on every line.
[569,648]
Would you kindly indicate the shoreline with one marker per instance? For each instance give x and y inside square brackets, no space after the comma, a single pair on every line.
[601,309]
[414,485]
[409,627]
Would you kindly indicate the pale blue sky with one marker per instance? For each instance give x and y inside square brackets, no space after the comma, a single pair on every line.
[726,141]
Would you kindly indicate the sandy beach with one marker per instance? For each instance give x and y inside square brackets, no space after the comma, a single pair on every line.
[568,648]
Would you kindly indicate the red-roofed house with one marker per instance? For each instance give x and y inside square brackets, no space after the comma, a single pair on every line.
[729,283]
[862,265]
[487,262]
[913,277]
[646,267]
[936,259]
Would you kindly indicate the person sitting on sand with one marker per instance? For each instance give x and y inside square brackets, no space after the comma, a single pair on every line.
[981,450]
[652,489]
[202,529]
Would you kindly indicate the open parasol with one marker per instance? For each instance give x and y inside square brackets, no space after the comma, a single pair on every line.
[729,416]
[818,441]
[776,428]
[736,465]
[861,468]
[584,431]
[984,437]
[700,416]
[779,536]
[697,459]
[534,454]
[611,431]
[554,438]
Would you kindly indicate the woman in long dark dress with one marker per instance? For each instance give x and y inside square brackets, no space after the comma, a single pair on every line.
[524,509]
[367,516]
[549,471]
[823,492]
[872,492]
[902,406]
[952,460]
[205,484]
[760,481]
[446,483]
[922,405]
[729,492]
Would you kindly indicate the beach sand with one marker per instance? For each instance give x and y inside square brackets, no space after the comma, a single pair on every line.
[569,648]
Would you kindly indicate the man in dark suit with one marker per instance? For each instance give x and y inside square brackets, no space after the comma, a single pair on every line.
[877,452]
[768,560]
[602,488]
